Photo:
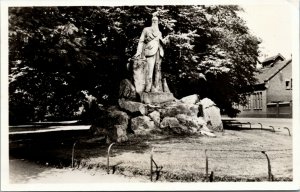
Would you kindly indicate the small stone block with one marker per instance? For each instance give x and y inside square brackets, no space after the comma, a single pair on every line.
[156,97]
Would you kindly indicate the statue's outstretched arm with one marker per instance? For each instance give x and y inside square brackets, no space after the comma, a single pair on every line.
[165,40]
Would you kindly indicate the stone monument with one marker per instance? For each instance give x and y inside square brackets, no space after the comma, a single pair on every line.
[149,85]
[146,106]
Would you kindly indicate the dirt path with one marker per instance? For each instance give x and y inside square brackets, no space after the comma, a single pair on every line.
[25,172]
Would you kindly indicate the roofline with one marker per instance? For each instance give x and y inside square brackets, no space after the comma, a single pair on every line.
[279,55]
[260,86]
[288,62]
[274,58]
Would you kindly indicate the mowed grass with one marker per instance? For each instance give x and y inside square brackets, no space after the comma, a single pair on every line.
[232,156]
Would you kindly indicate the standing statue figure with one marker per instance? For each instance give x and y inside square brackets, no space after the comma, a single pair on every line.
[146,84]
[150,47]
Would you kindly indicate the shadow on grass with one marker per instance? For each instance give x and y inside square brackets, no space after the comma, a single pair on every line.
[55,148]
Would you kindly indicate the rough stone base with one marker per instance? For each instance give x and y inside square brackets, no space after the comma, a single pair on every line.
[133,107]
[127,90]
[139,72]
[212,114]
[156,97]
[113,124]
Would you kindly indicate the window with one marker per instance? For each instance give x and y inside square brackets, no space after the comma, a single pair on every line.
[257,101]
[288,84]
[254,101]
[260,100]
[248,104]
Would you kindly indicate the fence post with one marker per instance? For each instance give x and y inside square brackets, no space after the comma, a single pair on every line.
[249,124]
[151,164]
[108,153]
[158,168]
[271,178]
[206,166]
[73,153]
[211,177]
[288,130]
[260,126]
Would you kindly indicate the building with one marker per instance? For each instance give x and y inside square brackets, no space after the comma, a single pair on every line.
[272,96]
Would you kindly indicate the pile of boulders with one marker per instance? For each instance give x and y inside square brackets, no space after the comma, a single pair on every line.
[187,116]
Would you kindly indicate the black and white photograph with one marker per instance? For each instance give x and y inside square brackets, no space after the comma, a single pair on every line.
[150,95]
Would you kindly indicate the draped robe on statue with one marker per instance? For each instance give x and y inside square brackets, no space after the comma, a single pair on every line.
[150,47]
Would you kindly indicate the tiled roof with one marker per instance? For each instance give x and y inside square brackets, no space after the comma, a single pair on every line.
[273,58]
[266,73]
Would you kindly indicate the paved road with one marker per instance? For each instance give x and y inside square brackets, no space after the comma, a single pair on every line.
[26,172]
[42,127]
[50,129]
[277,123]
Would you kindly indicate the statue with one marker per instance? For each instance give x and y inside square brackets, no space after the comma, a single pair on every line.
[147,85]
[150,48]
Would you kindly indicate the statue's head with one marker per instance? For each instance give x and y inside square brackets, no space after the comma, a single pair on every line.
[154,20]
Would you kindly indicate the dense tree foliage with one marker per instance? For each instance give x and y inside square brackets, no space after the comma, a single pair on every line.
[58,54]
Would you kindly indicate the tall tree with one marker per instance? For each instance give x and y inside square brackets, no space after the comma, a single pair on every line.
[56,53]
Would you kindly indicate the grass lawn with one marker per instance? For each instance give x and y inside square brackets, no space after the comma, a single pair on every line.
[233,156]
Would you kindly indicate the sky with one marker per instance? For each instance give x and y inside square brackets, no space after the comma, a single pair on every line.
[272,23]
